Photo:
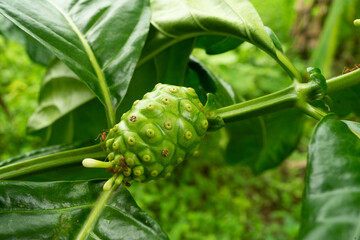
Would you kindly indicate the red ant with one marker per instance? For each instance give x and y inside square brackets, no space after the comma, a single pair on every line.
[102,137]
[347,70]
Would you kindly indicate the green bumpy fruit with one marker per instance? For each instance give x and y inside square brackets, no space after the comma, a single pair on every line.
[156,134]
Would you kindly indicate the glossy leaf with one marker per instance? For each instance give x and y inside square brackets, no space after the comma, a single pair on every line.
[265,142]
[100,41]
[58,210]
[332,194]
[177,20]
[37,52]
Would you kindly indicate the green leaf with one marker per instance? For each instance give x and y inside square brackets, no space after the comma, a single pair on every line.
[332,194]
[346,102]
[37,52]
[176,20]
[274,38]
[58,210]
[204,82]
[61,93]
[264,143]
[100,41]
[217,44]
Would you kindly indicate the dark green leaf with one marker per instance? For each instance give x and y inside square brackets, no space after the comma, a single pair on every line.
[346,102]
[264,143]
[37,52]
[332,193]
[100,41]
[217,44]
[203,81]
[58,210]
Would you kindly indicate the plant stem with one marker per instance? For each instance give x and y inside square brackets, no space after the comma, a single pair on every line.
[95,212]
[287,65]
[276,101]
[344,81]
[51,161]
[311,111]
[296,95]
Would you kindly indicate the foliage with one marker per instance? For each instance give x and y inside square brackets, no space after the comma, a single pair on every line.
[102,51]
[19,87]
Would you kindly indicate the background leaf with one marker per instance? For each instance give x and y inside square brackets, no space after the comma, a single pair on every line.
[57,210]
[337,20]
[265,142]
[331,196]
[98,40]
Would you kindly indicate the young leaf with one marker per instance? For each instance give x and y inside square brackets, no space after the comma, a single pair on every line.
[100,41]
[332,194]
[58,210]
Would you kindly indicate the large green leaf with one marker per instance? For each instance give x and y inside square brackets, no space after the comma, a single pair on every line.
[332,185]
[100,41]
[263,143]
[58,210]
[176,20]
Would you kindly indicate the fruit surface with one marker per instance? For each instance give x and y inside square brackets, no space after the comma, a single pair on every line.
[156,134]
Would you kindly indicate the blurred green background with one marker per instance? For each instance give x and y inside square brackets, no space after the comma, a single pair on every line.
[207,199]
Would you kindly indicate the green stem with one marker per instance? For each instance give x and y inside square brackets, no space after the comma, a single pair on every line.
[287,65]
[95,212]
[296,95]
[51,161]
[311,111]
[344,81]
[276,101]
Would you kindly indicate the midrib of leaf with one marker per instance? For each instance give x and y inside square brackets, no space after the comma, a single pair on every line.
[95,213]
[110,112]
[134,220]
[49,210]
[243,20]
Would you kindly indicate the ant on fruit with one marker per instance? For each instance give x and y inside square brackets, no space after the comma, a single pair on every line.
[347,70]
[102,137]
